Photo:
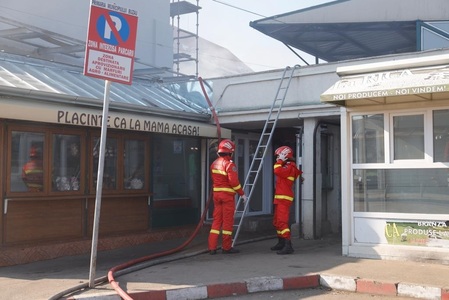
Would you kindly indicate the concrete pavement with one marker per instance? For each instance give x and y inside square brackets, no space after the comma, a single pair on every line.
[194,274]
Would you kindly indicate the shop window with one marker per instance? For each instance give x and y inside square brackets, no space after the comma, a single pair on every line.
[176,171]
[27,162]
[422,191]
[176,181]
[110,163]
[408,137]
[419,185]
[66,162]
[134,164]
[441,135]
[368,139]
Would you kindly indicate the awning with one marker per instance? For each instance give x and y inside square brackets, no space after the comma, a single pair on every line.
[390,86]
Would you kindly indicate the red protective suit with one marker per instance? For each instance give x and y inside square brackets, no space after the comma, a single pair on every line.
[286,173]
[225,185]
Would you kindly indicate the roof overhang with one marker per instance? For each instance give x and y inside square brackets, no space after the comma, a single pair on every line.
[333,42]
[405,81]
[343,29]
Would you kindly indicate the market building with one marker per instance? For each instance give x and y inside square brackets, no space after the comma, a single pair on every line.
[368,123]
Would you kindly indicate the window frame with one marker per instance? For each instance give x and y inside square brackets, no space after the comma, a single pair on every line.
[120,137]
[45,158]
[91,174]
[389,163]
[82,148]
[146,163]
[427,131]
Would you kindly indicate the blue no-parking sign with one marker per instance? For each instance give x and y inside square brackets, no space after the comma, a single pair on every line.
[110,36]
[111,41]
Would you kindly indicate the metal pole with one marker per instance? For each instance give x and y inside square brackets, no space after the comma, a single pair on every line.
[104,127]
[298,190]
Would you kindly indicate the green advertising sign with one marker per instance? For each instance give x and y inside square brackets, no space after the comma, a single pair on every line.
[418,233]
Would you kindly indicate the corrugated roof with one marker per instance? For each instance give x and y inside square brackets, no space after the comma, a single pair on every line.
[30,74]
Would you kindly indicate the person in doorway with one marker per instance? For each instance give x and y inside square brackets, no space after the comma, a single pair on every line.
[32,171]
[225,185]
[286,173]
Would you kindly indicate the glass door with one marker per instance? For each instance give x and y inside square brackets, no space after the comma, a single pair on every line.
[260,202]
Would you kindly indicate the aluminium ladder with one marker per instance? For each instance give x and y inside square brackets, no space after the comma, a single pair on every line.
[262,146]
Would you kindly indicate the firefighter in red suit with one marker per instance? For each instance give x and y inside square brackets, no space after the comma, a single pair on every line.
[225,185]
[32,171]
[286,173]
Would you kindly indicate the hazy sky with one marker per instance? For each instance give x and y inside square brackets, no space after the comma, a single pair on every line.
[226,23]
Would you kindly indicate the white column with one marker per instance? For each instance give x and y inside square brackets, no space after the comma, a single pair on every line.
[307,209]
[346,201]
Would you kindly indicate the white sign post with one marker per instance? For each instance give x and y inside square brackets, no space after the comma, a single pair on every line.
[96,225]
[110,49]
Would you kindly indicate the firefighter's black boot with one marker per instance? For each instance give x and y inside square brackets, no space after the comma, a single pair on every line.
[288,249]
[230,251]
[279,245]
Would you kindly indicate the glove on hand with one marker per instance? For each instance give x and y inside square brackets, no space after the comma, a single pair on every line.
[244,198]
[282,156]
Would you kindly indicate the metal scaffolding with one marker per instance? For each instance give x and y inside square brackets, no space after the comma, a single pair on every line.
[178,8]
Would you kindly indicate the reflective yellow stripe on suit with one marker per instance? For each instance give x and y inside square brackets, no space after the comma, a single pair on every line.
[219,172]
[285,230]
[281,232]
[283,197]
[219,189]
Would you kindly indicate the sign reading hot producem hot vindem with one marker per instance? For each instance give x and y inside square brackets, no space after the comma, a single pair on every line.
[111,42]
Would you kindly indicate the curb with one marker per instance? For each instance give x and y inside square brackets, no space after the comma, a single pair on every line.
[272,283]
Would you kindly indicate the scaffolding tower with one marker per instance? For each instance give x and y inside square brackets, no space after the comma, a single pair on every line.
[177,9]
